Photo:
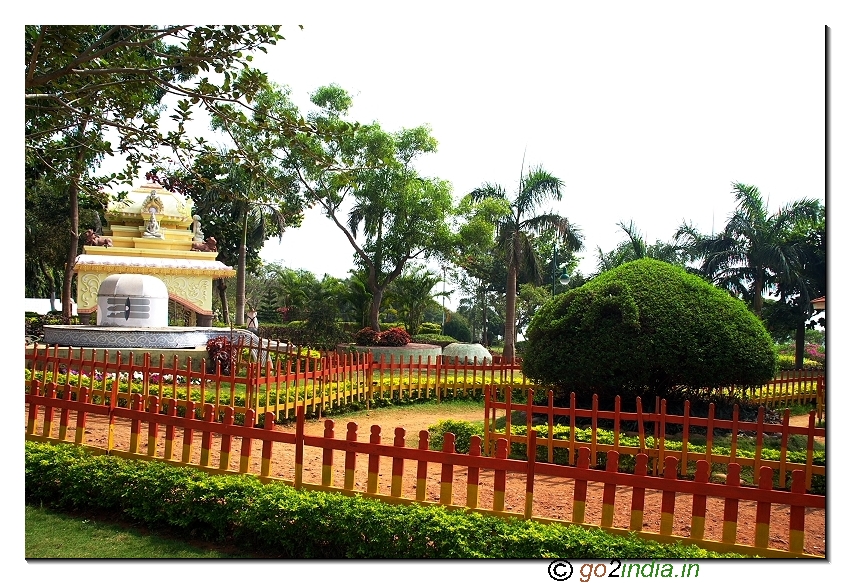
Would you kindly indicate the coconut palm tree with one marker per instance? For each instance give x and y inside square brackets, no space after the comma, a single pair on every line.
[753,252]
[412,293]
[515,232]
[636,247]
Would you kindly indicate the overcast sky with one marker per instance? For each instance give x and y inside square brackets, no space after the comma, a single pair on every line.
[646,115]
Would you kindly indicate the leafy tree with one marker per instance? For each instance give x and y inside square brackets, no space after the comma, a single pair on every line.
[481,272]
[322,326]
[753,252]
[243,206]
[357,298]
[647,328]
[83,80]
[458,328]
[267,311]
[513,234]
[364,180]
[529,299]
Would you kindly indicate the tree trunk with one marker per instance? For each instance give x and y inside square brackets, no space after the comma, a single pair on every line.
[758,300]
[510,315]
[240,287]
[221,284]
[73,200]
[800,337]
[375,309]
[484,328]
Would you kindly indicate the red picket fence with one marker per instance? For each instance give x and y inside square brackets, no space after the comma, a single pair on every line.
[267,379]
[794,387]
[171,438]
[659,422]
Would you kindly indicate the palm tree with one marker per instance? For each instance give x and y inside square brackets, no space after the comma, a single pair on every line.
[515,231]
[754,251]
[241,206]
[411,295]
[636,247]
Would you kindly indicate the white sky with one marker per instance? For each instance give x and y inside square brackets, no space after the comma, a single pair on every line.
[648,111]
[646,115]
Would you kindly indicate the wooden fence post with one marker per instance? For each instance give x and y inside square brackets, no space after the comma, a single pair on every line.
[422,467]
[531,452]
[374,464]
[473,474]
[580,488]
[299,445]
[398,464]
[328,456]
[447,471]
[350,457]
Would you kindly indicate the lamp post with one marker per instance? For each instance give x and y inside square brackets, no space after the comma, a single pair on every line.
[564,279]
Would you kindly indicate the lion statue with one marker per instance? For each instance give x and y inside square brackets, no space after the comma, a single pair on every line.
[93,238]
[208,245]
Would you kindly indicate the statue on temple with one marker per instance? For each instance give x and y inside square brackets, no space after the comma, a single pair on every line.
[152,227]
[93,238]
[197,233]
[208,245]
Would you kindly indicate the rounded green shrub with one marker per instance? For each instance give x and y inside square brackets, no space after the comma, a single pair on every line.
[647,328]
[458,328]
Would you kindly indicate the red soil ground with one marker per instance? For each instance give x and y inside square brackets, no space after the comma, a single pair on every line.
[552,496]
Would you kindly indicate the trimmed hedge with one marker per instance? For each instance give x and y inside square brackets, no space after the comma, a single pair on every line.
[646,328]
[277,520]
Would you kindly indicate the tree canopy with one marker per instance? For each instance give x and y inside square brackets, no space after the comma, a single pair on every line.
[86,84]
[753,253]
[365,182]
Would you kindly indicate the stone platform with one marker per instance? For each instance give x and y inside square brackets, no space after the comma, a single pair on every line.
[114,337]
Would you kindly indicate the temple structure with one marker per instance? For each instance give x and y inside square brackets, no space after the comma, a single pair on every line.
[152,231]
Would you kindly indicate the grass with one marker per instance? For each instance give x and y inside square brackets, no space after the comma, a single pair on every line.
[56,535]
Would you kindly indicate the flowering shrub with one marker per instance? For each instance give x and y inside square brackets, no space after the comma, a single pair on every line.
[394,337]
[221,353]
[813,353]
[788,362]
[366,337]
[391,337]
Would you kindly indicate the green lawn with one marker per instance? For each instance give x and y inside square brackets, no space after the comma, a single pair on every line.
[55,535]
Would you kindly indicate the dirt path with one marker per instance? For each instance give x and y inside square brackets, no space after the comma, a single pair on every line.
[552,497]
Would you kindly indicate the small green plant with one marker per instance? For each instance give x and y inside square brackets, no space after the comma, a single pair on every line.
[462,430]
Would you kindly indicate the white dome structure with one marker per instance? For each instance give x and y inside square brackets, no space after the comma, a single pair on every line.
[132,300]
[466,352]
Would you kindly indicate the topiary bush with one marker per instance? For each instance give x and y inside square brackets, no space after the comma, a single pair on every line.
[646,328]
[458,328]
[430,328]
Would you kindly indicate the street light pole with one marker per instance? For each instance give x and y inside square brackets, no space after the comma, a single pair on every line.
[554,263]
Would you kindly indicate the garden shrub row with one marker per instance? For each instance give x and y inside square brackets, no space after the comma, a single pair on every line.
[276,520]
[464,430]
